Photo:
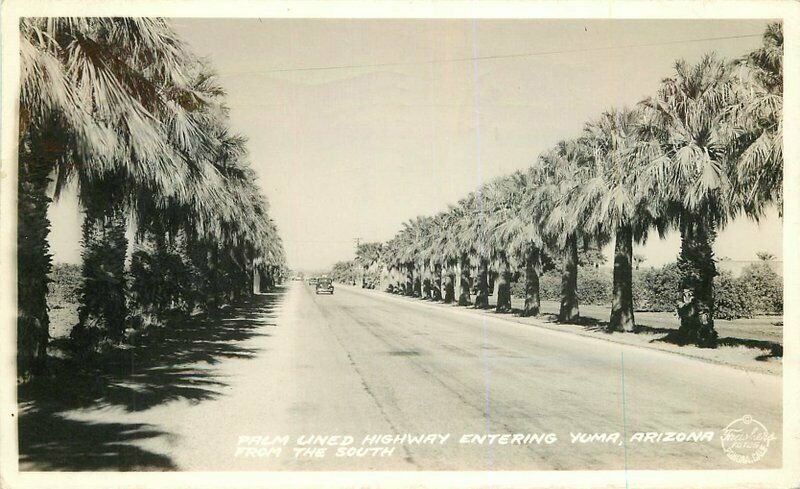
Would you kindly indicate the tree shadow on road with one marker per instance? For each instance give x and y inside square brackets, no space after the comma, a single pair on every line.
[49,441]
[175,362]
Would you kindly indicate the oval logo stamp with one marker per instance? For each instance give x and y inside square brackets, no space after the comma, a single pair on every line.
[746,440]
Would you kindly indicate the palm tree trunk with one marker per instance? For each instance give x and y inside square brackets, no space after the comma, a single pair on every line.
[504,290]
[427,284]
[150,289]
[33,256]
[267,279]
[697,268]
[103,310]
[482,298]
[463,298]
[532,297]
[569,283]
[215,297]
[417,292]
[240,276]
[256,280]
[437,282]
[622,299]
[450,284]
[409,279]
[204,260]
[164,270]
[262,275]
[198,287]
[185,279]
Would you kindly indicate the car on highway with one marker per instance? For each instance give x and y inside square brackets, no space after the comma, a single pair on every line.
[324,286]
[312,281]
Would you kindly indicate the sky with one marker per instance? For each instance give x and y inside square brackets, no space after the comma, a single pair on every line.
[356,126]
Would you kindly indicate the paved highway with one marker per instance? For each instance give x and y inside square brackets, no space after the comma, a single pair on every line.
[366,364]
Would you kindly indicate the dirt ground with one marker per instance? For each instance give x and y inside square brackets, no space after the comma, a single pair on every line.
[63,316]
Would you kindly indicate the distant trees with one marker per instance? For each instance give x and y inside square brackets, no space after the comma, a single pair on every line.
[704,149]
[344,272]
[369,264]
[765,256]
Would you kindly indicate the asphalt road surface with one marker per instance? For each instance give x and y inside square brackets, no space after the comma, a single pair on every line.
[365,364]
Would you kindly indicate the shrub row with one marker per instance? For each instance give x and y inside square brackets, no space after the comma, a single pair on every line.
[758,290]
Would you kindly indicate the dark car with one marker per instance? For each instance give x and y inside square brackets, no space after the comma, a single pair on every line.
[324,285]
[312,281]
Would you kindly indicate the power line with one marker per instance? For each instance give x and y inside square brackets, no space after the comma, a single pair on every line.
[499,56]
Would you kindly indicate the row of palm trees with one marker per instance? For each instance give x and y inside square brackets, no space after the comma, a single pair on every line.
[121,109]
[704,149]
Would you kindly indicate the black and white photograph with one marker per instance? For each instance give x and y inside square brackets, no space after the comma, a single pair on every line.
[540,247]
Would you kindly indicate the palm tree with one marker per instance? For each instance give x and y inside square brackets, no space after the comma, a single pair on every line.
[190,124]
[448,248]
[224,200]
[689,149]
[435,254]
[516,229]
[394,268]
[475,239]
[409,253]
[493,214]
[612,202]
[103,291]
[465,242]
[86,107]
[419,244]
[450,252]
[502,266]
[765,256]
[561,172]
[33,255]
[759,172]
[369,260]
[248,235]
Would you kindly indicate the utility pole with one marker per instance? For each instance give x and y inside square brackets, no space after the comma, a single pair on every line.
[357,242]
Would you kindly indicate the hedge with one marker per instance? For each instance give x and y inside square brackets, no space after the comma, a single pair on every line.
[758,290]
[594,286]
[731,297]
[764,288]
[657,289]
